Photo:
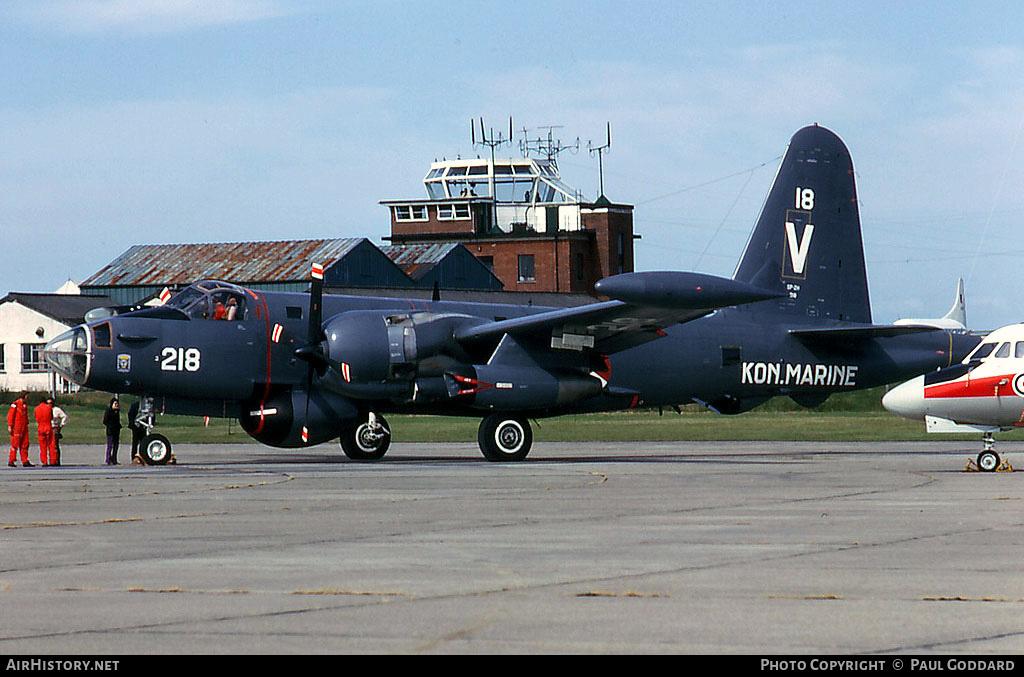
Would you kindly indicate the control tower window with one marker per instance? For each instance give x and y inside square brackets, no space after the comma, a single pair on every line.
[410,212]
[526,270]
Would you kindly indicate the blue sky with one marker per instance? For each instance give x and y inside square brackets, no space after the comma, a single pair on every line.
[143,121]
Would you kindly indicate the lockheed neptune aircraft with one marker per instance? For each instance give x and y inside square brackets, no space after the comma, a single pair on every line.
[984,394]
[303,369]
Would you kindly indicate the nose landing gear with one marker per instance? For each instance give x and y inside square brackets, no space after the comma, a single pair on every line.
[988,460]
[155,449]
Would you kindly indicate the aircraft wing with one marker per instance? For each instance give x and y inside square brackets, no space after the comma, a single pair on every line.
[858,332]
[642,305]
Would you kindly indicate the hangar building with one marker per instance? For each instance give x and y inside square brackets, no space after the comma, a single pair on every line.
[143,271]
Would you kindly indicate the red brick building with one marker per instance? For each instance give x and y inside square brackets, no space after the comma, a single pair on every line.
[518,217]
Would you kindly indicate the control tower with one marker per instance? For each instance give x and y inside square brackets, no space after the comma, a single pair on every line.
[517,215]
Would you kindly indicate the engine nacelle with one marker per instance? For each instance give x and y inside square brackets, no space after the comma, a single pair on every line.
[358,341]
[510,388]
[374,353]
[280,420]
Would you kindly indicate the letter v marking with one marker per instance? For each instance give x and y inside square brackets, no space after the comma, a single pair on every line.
[798,253]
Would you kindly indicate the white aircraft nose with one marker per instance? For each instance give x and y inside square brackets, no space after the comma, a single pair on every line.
[906,399]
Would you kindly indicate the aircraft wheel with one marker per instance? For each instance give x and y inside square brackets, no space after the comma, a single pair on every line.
[503,437]
[988,461]
[155,449]
[366,442]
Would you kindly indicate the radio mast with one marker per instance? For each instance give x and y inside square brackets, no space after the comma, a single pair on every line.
[600,150]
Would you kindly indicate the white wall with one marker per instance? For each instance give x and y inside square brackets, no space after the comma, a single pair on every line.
[18,325]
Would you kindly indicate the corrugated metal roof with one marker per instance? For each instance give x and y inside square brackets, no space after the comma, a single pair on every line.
[417,259]
[162,264]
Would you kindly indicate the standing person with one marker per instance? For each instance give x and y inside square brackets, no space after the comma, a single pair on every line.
[17,426]
[60,419]
[138,432]
[112,422]
[44,424]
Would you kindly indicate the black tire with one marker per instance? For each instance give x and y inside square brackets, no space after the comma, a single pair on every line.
[360,443]
[504,438]
[988,461]
[155,449]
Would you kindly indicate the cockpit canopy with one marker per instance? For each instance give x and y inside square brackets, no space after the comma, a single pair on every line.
[210,300]
[999,349]
[1005,343]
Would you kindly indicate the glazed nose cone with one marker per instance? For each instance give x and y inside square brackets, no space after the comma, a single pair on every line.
[906,399]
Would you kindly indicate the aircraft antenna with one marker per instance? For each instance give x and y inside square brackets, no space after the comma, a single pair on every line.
[601,150]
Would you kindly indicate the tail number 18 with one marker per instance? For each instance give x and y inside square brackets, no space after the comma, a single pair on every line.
[804,199]
[179,359]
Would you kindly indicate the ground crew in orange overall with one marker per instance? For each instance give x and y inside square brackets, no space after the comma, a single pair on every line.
[17,426]
[44,421]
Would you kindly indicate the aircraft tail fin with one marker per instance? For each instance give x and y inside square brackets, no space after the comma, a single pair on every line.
[958,313]
[807,240]
[954,320]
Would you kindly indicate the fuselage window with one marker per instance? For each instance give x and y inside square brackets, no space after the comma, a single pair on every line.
[101,333]
[1018,349]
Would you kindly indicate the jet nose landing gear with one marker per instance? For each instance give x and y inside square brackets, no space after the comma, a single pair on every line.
[988,460]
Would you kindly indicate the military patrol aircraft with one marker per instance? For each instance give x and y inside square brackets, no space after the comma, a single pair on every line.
[303,369]
[983,394]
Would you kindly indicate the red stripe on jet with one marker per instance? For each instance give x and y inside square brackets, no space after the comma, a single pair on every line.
[986,386]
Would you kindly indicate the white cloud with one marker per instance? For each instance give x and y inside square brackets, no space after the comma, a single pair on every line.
[144,16]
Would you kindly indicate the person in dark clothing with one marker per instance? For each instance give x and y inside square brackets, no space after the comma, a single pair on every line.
[138,432]
[112,422]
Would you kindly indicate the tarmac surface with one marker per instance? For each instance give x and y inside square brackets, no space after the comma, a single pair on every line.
[709,547]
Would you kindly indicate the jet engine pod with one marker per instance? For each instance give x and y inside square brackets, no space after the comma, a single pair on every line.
[279,421]
[508,388]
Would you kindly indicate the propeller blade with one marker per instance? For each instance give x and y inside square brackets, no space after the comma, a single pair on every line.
[311,352]
[305,415]
[316,297]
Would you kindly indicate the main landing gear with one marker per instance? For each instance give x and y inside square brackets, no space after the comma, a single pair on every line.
[505,437]
[368,440]
[502,438]
[155,449]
